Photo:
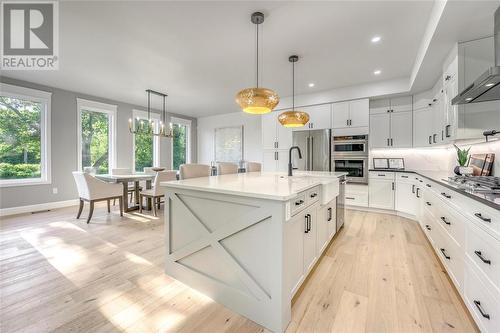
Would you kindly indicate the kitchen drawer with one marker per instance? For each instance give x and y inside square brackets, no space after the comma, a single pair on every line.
[484,251]
[298,203]
[312,195]
[451,221]
[356,199]
[381,175]
[406,177]
[450,254]
[485,217]
[427,222]
[483,305]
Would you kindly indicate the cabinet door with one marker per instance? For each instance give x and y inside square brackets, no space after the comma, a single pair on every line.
[421,128]
[284,136]
[320,116]
[381,194]
[322,229]
[402,104]
[359,113]
[282,160]
[331,220]
[269,162]
[380,106]
[380,130]
[437,119]
[405,198]
[294,252]
[340,115]
[310,240]
[450,111]
[401,129]
[269,137]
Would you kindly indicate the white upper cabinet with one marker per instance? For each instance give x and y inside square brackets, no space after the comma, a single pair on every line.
[421,130]
[350,114]
[340,115]
[380,130]
[359,113]
[320,117]
[393,127]
[401,129]
[274,135]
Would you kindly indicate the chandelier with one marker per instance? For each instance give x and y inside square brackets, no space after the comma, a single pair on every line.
[148,127]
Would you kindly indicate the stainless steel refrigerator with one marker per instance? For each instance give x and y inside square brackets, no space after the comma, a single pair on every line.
[315,148]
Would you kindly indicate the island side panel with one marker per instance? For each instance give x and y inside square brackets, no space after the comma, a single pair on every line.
[230,248]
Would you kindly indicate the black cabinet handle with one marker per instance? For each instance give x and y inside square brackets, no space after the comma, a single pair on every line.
[434,138]
[307,223]
[413,189]
[428,185]
[447,130]
[428,227]
[446,195]
[445,221]
[428,203]
[393,186]
[380,175]
[349,198]
[313,195]
[480,255]
[418,192]
[404,176]
[443,251]
[430,140]
[480,308]
[298,203]
[329,214]
[392,143]
[485,219]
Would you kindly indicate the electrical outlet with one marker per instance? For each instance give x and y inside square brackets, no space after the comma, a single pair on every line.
[54,190]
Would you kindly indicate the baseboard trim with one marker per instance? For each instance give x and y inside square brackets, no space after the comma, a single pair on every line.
[37,207]
[383,211]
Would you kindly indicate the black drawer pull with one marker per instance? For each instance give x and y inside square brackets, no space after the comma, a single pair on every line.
[418,192]
[404,176]
[329,214]
[428,227]
[350,198]
[485,219]
[298,203]
[480,255]
[380,175]
[428,185]
[443,251]
[480,308]
[413,189]
[428,203]
[446,195]
[313,195]
[445,221]
[307,223]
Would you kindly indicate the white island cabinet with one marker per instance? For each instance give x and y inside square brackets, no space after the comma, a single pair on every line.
[249,240]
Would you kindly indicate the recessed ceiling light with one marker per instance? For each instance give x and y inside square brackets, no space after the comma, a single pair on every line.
[489,84]
[376,39]
[468,99]
[311,85]
[377,72]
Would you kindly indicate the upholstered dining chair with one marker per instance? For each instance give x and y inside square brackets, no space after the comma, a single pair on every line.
[91,189]
[224,168]
[130,187]
[253,167]
[187,171]
[156,192]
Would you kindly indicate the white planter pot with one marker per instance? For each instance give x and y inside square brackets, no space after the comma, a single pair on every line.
[466,171]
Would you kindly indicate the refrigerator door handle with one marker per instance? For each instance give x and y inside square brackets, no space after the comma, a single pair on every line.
[307,154]
[312,153]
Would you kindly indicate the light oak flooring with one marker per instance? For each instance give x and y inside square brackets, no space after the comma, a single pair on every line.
[60,274]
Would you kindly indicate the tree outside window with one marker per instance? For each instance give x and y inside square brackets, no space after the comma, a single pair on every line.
[179,145]
[144,148]
[95,140]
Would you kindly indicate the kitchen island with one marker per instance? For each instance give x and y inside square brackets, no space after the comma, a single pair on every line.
[248,241]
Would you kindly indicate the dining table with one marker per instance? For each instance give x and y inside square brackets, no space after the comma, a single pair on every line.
[125,180]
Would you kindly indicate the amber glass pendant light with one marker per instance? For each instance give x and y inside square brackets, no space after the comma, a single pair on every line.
[257,100]
[293,118]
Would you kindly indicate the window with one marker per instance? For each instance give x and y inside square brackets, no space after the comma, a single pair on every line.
[229,144]
[96,136]
[24,136]
[180,142]
[146,146]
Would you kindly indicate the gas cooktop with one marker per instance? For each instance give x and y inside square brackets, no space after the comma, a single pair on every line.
[477,184]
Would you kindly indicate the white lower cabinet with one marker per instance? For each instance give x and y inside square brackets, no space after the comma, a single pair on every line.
[274,160]
[406,195]
[310,231]
[326,226]
[381,190]
[294,252]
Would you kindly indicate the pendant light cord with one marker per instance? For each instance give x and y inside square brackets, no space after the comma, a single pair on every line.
[293,86]
[257,54]
[149,106]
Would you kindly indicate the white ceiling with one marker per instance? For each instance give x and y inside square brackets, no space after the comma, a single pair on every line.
[202,53]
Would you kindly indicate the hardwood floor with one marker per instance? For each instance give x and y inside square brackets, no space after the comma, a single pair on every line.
[60,274]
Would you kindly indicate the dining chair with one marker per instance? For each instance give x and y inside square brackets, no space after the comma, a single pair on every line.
[91,189]
[253,167]
[224,168]
[187,171]
[130,187]
[156,192]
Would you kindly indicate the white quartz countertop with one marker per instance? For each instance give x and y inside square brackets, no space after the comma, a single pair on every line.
[261,185]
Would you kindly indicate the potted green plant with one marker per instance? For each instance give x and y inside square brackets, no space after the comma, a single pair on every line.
[462,159]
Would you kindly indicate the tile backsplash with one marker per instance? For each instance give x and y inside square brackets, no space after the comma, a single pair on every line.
[437,159]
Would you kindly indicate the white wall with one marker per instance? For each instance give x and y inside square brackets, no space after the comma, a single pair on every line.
[252,138]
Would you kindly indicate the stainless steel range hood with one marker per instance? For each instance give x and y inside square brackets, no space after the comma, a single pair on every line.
[486,87]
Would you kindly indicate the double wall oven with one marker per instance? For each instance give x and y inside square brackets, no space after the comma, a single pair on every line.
[350,154]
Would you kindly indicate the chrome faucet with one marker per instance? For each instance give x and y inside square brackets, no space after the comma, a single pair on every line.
[290,168]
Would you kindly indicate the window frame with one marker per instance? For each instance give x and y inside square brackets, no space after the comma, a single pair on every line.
[108,109]
[45,98]
[187,123]
[156,140]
